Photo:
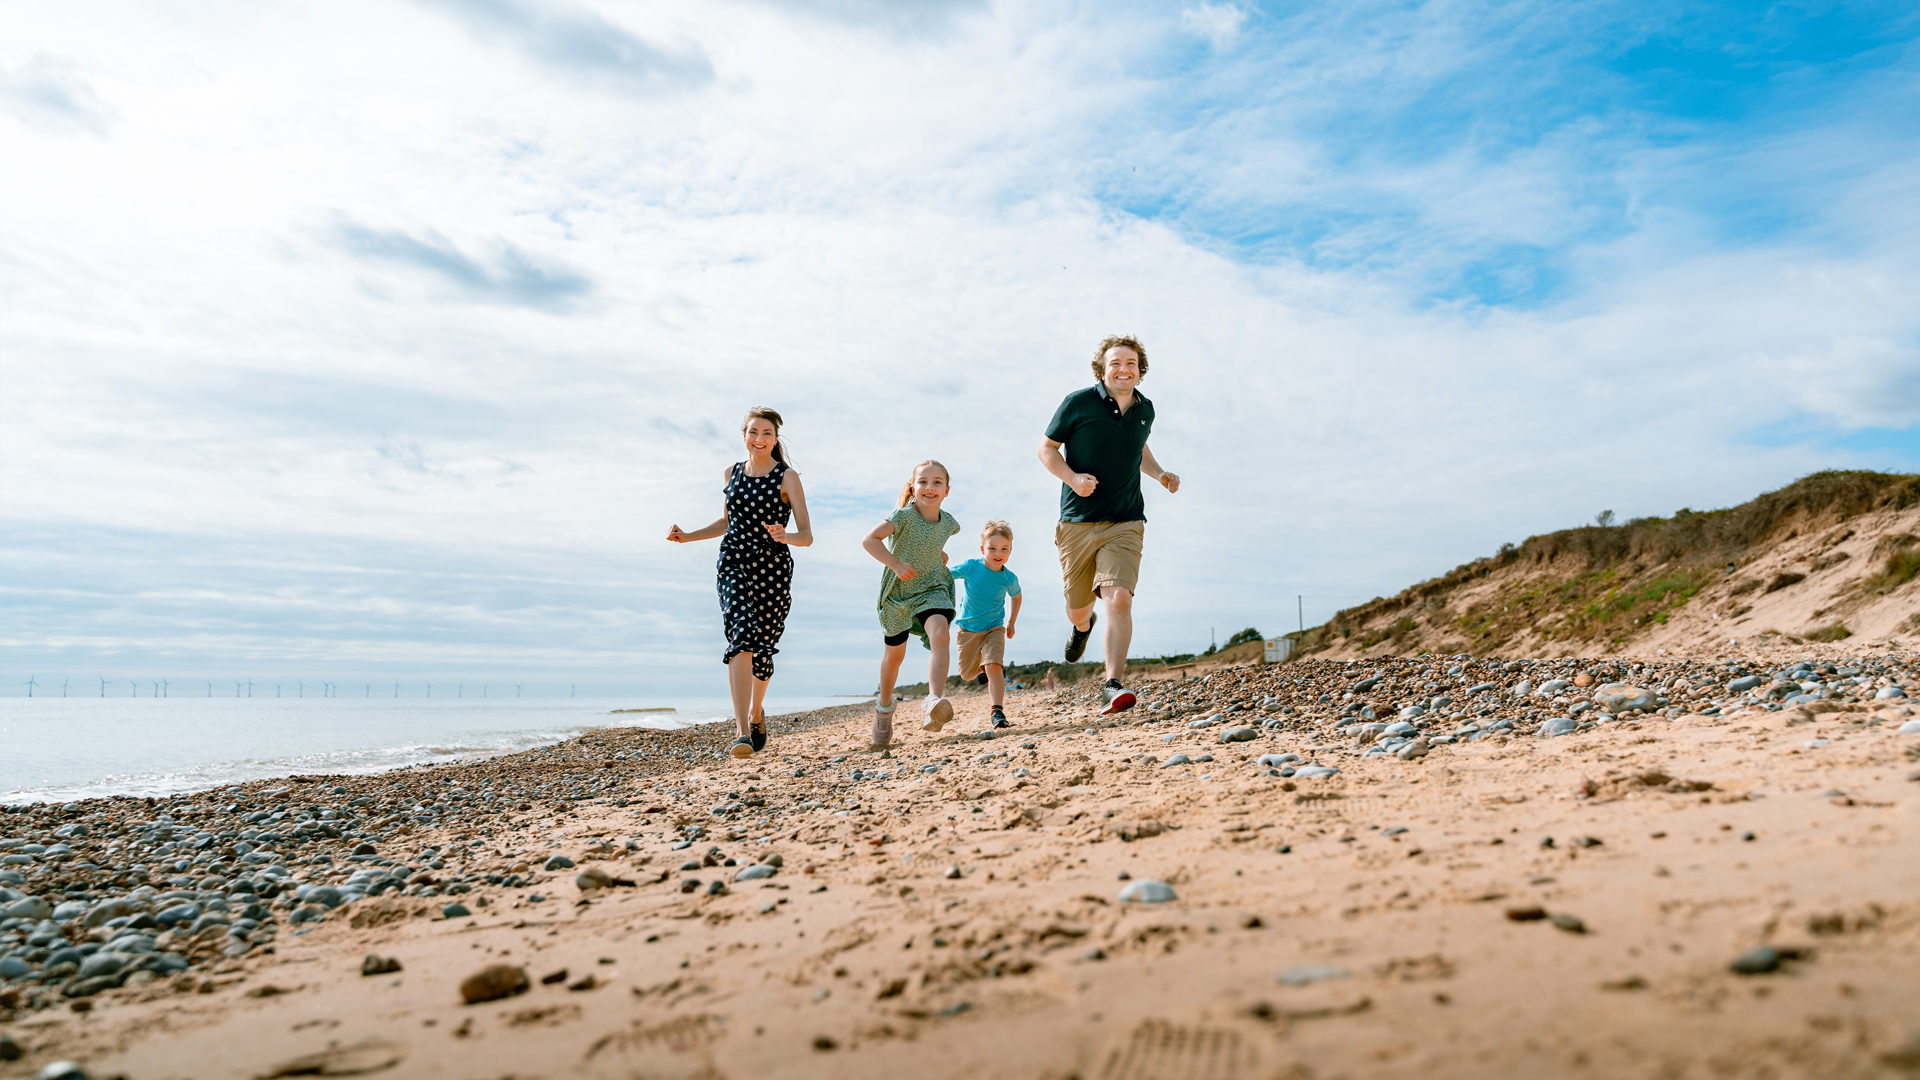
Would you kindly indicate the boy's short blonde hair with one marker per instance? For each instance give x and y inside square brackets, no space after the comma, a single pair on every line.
[996,527]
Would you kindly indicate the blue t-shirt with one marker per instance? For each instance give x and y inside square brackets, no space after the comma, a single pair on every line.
[985,605]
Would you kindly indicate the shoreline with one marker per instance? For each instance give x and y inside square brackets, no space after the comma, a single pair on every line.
[64,794]
[958,881]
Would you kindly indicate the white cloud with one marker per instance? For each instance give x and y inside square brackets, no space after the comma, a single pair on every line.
[353,345]
[1219,23]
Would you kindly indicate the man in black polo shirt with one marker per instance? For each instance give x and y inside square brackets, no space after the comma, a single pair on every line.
[1097,446]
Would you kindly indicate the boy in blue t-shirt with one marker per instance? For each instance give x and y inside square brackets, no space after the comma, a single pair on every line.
[983,640]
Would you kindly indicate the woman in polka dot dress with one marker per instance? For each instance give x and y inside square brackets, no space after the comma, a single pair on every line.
[756,569]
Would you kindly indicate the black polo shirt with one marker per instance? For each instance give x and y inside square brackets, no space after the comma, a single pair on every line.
[1095,438]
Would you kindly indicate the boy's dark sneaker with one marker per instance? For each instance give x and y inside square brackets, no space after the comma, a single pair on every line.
[1077,642]
[1117,697]
[1000,718]
[981,678]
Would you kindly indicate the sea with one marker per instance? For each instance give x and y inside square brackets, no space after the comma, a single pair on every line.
[62,749]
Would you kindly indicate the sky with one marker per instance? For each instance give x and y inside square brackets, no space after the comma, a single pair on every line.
[383,342]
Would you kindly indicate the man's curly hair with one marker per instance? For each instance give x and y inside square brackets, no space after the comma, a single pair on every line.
[1119,340]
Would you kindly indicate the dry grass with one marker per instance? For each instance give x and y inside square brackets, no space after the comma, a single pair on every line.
[1613,581]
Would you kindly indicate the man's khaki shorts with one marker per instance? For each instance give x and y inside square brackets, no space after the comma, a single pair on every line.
[979,650]
[1095,554]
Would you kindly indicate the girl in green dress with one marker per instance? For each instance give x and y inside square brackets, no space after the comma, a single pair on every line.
[916,593]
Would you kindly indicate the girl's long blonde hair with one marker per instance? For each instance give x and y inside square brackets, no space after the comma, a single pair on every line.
[906,489]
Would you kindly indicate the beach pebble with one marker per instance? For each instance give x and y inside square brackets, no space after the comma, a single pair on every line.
[9,1050]
[33,907]
[952,873]
[1176,759]
[1239,734]
[1308,974]
[12,967]
[1911,727]
[774,859]
[1277,760]
[455,911]
[1570,923]
[558,862]
[1890,692]
[1147,891]
[1400,727]
[592,878]
[63,1070]
[493,982]
[1559,725]
[1208,722]
[754,873]
[1760,961]
[375,964]
[1308,772]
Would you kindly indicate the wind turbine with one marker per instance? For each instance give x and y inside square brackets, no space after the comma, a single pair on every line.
[30,683]
[516,689]
[483,689]
[236,688]
[103,685]
[276,689]
[136,686]
[573,690]
[460,690]
[209,687]
[63,688]
[369,689]
[166,688]
[301,684]
[396,688]
[249,687]
[156,686]
[429,689]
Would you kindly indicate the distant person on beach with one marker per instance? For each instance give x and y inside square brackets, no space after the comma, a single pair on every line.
[916,593]
[985,625]
[1097,445]
[755,569]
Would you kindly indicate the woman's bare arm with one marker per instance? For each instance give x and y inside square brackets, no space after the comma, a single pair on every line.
[801,535]
[718,527]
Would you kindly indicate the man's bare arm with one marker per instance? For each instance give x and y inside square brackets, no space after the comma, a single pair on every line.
[1056,463]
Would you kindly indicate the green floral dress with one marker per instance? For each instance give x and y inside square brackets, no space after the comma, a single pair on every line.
[916,542]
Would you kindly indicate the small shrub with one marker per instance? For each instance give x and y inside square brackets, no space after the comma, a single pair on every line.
[1836,632]
[1781,581]
[1241,638]
[1901,567]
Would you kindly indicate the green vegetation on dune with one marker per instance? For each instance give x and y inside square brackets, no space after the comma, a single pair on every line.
[1611,582]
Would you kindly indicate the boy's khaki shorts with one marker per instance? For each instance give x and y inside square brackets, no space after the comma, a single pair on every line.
[1095,554]
[979,650]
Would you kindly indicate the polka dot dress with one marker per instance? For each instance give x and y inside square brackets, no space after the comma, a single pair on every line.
[755,571]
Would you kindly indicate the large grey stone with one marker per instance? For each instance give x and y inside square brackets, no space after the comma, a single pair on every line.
[1617,698]
[1147,892]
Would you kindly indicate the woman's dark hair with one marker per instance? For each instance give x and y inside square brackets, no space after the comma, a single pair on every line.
[762,412]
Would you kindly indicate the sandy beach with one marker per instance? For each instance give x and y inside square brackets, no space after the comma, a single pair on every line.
[1505,904]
